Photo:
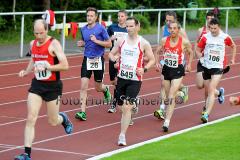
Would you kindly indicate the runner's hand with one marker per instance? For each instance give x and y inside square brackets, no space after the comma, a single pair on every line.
[116,65]
[232,62]
[41,67]
[188,68]
[233,100]
[158,67]
[140,71]
[80,43]
[93,38]
[22,73]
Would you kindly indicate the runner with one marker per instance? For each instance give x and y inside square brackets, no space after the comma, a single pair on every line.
[94,39]
[47,60]
[173,48]
[170,17]
[131,50]
[116,31]
[213,45]
[199,76]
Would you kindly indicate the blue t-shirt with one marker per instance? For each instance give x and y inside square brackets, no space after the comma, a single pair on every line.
[165,31]
[114,28]
[92,49]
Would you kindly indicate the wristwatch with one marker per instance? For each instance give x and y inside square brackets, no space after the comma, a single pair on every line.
[145,69]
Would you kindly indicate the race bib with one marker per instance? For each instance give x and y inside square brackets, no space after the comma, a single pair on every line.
[119,35]
[127,71]
[214,56]
[94,63]
[171,60]
[43,75]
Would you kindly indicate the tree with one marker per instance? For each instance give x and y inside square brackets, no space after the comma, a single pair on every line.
[46,4]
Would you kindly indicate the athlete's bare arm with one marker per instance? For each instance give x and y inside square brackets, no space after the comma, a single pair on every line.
[188,49]
[147,49]
[159,52]
[55,49]
[197,40]
[149,54]
[114,53]
[234,51]
[29,68]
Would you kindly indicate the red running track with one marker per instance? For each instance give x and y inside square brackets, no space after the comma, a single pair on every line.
[99,133]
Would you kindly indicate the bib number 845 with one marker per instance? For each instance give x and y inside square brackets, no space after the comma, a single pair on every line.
[126,74]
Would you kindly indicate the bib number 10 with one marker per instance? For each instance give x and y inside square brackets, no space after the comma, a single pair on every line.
[126,74]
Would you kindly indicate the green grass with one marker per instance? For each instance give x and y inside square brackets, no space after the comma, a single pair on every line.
[215,142]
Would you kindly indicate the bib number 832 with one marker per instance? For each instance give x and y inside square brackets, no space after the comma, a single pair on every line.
[170,63]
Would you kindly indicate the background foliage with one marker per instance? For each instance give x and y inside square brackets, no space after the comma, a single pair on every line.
[8,24]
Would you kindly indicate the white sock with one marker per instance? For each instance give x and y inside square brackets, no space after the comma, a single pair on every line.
[166,122]
[162,106]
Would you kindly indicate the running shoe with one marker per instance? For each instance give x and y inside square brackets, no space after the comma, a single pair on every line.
[135,107]
[112,110]
[131,122]
[160,114]
[122,140]
[113,106]
[23,156]
[221,97]
[165,127]
[204,110]
[179,97]
[107,96]
[81,116]
[204,118]
[67,124]
[185,91]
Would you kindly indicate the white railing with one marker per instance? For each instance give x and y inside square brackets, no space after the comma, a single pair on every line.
[159,11]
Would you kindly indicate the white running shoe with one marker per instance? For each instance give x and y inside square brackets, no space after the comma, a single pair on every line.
[122,140]
[112,110]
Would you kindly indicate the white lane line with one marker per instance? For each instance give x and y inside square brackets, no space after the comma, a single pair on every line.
[65,93]
[74,66]
[153,78]
[108,125]
[69,78]
[161,138]
[16,74]
[26,60]
[9,117]
[9,146]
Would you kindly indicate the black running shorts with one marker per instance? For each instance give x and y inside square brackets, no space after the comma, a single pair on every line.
[127,90]
[173,73]
[98,74]
[48,90]
[112,70]
[199,67]
[207,73]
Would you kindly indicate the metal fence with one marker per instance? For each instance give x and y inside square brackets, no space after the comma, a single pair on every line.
[101,12]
